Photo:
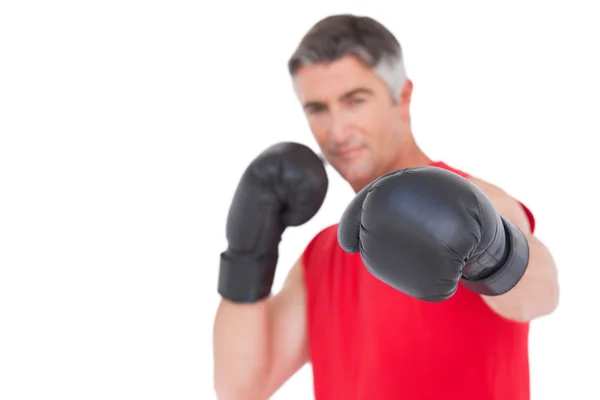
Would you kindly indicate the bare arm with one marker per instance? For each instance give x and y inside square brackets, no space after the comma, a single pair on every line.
[257,347]
[537,293]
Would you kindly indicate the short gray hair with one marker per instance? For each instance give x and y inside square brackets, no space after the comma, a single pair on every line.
[341,35]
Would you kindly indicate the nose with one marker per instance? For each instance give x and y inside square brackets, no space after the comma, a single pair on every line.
[340,132]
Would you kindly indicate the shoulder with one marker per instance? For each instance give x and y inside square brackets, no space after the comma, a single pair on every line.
[507,205]
[325,236]
[323,242]
[443,165]
[493,191]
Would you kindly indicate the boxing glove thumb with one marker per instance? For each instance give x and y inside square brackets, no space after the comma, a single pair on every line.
[349,225]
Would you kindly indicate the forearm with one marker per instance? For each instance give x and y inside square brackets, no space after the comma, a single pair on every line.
[241,349]
[536,294]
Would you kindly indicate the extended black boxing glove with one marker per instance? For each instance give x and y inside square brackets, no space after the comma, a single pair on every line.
[422,230]
[284,186]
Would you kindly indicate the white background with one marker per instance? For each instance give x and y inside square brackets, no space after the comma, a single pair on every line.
[124,127]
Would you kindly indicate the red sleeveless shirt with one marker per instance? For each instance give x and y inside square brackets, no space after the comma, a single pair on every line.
[368,341]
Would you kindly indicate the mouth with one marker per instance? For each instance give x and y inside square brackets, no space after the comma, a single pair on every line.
[348,153]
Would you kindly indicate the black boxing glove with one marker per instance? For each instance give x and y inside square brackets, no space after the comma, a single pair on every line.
[284,186]
[422,230]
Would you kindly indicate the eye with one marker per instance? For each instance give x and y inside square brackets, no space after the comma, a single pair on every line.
[357,100]
[313,110]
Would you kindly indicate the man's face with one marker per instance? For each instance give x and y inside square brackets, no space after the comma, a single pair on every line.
[353,117]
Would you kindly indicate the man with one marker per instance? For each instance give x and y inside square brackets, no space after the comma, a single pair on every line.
[425,289]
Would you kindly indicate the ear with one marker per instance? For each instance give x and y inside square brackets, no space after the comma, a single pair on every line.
[405,97]
[406,93]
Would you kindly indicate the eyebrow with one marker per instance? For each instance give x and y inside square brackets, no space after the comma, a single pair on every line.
[345,96]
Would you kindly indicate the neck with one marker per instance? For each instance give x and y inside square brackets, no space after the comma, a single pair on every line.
[410,156]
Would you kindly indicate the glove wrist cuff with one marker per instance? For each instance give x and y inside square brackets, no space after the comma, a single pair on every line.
[511,271]
[246,278]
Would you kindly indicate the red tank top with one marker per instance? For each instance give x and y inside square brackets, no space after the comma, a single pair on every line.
[368,341]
